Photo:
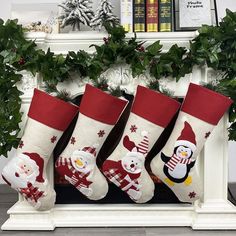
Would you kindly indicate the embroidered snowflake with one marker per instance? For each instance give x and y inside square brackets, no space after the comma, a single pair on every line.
[72,140]
[21,144]
[207,134]
[53,139]
[133,128]
[192,194]
[101,133]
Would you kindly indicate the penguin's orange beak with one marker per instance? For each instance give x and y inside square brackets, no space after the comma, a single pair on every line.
[184,154]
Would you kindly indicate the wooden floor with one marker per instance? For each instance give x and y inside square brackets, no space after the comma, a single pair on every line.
[9,197]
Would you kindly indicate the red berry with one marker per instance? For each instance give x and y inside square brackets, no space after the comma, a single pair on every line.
[21,61]
[141,49]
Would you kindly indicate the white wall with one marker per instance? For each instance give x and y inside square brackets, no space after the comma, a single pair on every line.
[221,5]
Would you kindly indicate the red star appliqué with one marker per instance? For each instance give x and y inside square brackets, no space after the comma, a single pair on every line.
[101,133]
[133,128]
[53,139]
[207,134]
[21,144]
[192,194]
[72,140]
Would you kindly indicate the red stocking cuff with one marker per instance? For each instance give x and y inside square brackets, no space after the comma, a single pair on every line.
[205,104]
[154,107]
[101,106]
[51,111]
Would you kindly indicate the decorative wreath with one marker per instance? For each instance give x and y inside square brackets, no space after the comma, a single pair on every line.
[215,47]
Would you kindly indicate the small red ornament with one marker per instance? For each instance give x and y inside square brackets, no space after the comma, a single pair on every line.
[53,139]
[207,134]
[21,61]
[133,128]
[21,144]
[101,133]
[72,140]
[192,194]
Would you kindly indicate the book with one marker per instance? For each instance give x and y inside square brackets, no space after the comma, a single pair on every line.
[151,15]
[139,13]
[126,14]
[194,13]
[165,15]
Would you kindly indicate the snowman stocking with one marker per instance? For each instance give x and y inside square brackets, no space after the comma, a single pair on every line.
[201,111]
[48,117]
[150,114]
[99,112]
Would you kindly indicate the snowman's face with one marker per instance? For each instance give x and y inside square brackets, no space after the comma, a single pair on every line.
[133,162]
[83,161]
[183,152]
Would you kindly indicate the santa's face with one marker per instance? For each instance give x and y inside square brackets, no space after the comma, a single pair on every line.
[20,171]
[25,168]
[183,152]
[133,162]
[83,161]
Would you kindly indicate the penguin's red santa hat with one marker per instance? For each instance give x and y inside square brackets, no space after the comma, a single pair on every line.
[187,137]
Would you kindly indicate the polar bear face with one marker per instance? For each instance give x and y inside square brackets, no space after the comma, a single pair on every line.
[83,161]
[133,162]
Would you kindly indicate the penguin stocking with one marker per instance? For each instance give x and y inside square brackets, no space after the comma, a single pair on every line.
[175,164]
[99,112]
[150,114]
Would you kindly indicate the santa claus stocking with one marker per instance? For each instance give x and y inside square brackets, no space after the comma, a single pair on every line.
[99,112]
[150,114]
[48,117]
[175,165]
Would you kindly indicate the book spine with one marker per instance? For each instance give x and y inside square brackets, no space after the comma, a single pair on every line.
[139,15]
[126,15]
[165,15]
[152,15]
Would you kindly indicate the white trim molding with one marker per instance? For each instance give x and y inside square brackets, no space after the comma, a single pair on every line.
[214,211]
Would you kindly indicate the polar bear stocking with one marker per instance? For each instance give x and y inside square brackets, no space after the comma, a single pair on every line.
[175,165]
[150,114]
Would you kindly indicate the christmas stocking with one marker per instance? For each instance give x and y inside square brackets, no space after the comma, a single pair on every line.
[150,114]
[201,111]
[48,117]
[99,112]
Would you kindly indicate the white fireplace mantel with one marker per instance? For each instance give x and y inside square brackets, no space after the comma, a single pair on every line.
[214,211]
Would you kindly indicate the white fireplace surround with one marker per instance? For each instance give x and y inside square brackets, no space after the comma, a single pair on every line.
[213,211]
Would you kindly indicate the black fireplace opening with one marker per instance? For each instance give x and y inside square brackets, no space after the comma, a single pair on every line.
[68,194]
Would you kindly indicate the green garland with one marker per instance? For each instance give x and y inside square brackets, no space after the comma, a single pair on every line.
[214,47]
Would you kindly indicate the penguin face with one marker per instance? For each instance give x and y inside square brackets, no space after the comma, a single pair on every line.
[183,152]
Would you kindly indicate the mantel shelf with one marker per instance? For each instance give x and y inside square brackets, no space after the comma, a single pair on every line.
[62,43]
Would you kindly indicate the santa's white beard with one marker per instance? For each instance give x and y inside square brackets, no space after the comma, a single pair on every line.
[17,181]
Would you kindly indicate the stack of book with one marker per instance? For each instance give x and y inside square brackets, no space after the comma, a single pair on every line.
[147,15]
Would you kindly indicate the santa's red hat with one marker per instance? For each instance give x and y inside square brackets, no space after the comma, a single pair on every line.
[187,137]
[91,150]
[39,162]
